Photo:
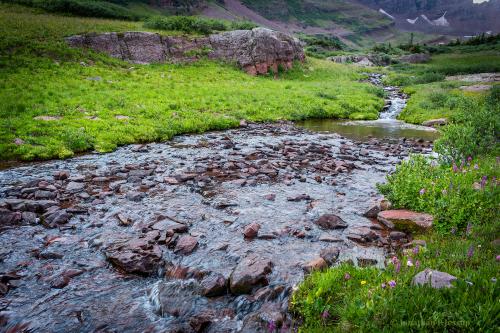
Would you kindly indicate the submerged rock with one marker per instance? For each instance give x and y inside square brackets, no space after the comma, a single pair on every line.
[135,256]
[330,221]
[251,272]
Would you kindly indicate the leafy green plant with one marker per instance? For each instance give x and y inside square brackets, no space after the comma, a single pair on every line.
[188,24]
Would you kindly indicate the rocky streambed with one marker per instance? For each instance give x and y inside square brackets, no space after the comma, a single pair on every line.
[206,233]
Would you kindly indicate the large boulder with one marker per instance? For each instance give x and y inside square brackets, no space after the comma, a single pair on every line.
[251,272]
[405,220]
[256,51]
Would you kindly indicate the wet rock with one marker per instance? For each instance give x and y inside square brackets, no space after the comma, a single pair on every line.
[330,255]
[56,217]
[300,197]
[397,235]
[50,255]
[169,226]
[330,239]
[124,220]
[315,265]
[75,187]
[405,220]
[362,235]
[270,197]
[214,285]
[135,196]
[186,245]
[45,195]
[61,175]
[201,321]
[330,221]
[9,218]
[385,204]
[59,282]
[135,256]
[435,279]
[251,231]
[251,272]
[178,298]
[29,217]
[373,211]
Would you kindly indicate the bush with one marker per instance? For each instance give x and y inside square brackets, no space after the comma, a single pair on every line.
[188,24]
[88,8]
[243,25]
[457,195]
[475,130]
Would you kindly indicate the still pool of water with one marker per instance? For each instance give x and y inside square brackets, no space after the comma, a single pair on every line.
[364,130]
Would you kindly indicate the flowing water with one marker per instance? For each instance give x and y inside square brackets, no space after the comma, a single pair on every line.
[85,244]
[387,126]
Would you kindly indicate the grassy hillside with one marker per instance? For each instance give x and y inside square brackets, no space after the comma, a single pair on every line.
[99,103]
[321,13]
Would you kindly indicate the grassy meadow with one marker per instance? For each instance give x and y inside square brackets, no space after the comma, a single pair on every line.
[99,103]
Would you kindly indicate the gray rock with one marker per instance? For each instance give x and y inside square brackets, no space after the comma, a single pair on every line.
[435,279]
[75,187]
[214,285]
[330,255]
[135,196]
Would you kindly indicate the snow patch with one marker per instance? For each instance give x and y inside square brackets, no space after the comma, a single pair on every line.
[412,21]
[386,14]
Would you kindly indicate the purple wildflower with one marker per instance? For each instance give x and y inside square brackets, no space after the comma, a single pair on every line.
[483,181]
[417,264]
[470,252]
[325,314]
[476,167]
[469,159]
[383,285]
[469,229]
[498,258]
[453,230]
[398,267]
[394,260]
[422,191]
[271,326]
[392,283]
[416,249]
[347,276]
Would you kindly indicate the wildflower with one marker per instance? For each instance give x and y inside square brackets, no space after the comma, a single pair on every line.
[271,326]
[392,283]
[469,159]
[398,267]
[498,258]
[383,285]
[455,168]
[468,230]
[483,181]
[422,191]
[363,282]
[476,167]
[409,263]
[453,230]
[470,252]
[416,250]
[444,192]
[347,276]
[325,314]
[417,264]
[394,260]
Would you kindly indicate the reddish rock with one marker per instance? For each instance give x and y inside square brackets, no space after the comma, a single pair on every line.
[251,231]
[186,245]
[330,221]
[135,256]
[315,265]
[251,272]
[214,285]
[330,255]
[405,220]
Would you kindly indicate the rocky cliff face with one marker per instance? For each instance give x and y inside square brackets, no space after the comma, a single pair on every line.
[256,51]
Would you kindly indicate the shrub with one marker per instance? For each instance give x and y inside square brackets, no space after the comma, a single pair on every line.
[457,195]
[188,24]
[243,25]
[475,130]
[89,8]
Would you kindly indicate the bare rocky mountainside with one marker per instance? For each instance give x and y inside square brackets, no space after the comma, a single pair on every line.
[452,16]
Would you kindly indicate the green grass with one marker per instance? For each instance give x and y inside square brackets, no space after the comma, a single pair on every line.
[327,302]
[42,76]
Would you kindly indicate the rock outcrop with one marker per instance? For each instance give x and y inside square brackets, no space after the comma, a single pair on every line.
[405,220]
[257,51]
